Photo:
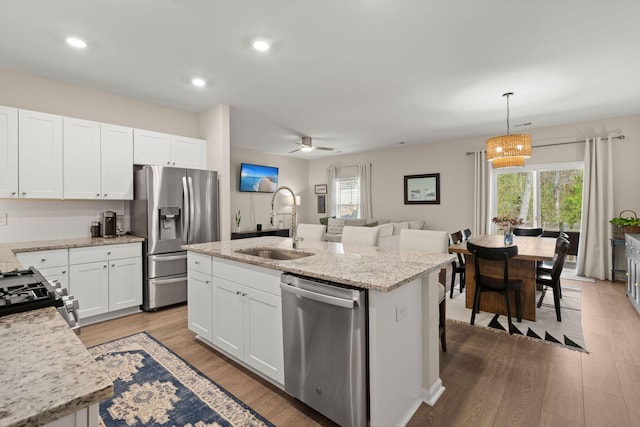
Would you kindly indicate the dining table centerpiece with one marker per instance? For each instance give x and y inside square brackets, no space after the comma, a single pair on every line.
[507,224]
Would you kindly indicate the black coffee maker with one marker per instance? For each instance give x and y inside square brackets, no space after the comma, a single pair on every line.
[109,224]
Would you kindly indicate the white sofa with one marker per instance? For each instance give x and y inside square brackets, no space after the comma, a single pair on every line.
[389,234]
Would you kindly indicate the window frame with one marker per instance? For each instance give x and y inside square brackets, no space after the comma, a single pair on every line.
[536,169]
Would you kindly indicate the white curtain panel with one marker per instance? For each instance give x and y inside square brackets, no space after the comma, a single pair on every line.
[332,170]
[594,259]
[364,178]
[480,194]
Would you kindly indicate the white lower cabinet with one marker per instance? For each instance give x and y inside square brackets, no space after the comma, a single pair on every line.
[52,264]
[90,286]
[106,278]
[199,291]
[240,310]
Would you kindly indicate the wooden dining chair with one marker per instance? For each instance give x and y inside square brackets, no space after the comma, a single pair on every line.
[552,280]
[527,232]
[459,266]
[485,283]
[435,242]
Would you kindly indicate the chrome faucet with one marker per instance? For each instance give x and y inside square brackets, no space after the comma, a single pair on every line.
[294,218]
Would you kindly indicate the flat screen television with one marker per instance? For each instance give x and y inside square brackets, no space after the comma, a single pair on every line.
[258,178]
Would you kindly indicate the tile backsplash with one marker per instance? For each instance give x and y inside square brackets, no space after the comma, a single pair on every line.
[30,219]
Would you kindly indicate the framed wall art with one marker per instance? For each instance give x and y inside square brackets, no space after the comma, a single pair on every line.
[322,203]
[320,188]
[422,189]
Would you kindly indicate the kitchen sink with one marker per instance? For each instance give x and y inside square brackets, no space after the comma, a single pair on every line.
[273,253]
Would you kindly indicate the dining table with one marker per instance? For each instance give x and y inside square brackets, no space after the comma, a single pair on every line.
[523,266]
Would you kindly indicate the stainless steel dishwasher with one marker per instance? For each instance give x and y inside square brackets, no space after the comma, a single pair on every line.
[325,348]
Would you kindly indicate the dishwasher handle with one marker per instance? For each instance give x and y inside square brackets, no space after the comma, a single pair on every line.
[327,299]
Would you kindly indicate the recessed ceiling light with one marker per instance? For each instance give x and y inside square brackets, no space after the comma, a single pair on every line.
[76,42]
[261,45]
[196,81]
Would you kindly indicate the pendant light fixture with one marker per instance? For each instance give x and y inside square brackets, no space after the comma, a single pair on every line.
[508,150]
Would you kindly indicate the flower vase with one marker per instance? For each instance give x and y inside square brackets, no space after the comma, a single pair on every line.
[508,236]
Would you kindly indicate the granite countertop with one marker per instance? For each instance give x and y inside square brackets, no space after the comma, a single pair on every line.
[363,267]
[45,370]
[8,260]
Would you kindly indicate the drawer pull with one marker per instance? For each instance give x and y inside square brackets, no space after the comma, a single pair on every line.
[43,260]
[197,262]
[238,292]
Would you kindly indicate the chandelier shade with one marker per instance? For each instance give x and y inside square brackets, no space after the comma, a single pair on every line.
[517,144]
[508,150]
[508,162]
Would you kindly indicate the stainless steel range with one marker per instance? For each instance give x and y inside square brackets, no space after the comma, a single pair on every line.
[26,290]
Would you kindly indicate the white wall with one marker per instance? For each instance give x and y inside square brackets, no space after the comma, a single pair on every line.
[52,219]
[256,207]
[456,171]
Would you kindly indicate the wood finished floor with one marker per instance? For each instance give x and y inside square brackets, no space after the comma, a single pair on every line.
[492,379]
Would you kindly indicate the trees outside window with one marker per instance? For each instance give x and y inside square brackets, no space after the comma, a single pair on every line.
[548,196]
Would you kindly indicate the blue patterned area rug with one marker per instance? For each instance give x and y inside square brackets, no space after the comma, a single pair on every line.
[153,386]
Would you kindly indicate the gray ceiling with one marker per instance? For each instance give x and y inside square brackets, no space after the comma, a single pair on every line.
[355,75]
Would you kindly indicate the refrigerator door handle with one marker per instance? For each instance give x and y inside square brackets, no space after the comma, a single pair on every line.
[186,213]
[191,207]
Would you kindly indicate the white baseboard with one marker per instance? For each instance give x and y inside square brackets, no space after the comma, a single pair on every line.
[431,395]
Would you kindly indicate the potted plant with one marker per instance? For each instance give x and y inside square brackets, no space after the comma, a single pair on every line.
[238,218]
[627,222]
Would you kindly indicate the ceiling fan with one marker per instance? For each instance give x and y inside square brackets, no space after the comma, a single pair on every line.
[306,145]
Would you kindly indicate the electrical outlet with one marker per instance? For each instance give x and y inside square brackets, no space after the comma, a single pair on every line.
[3,219]
[401,312]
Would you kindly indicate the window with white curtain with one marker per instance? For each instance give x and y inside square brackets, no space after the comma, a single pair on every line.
[347,192]
[547,196]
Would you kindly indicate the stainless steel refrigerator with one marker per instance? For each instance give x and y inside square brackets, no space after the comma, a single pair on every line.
[171,207]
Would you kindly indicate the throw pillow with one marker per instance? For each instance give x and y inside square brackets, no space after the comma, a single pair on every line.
[335,225]
[397,226]
[416,225]
[371,224]
[385,230]
[325,219]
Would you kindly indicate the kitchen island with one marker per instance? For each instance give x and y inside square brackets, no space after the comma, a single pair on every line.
[46,373]
[402,313]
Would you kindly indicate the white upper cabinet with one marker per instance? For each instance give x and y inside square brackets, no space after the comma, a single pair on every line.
[155,148]
[151,148]
[188,152]
[8,152]
[98,160]
[81,159]
[117,162]
[40,155]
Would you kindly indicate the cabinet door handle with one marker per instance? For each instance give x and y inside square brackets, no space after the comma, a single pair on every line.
[13,193]
[238,292]
[104,266]
[174,163]
[244,295]
[43,260]
[64,271]
[197,262]
[207,281]
[105,194]
[24,193]
[97,194]
[168,163]
[113,265]
[108,253]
